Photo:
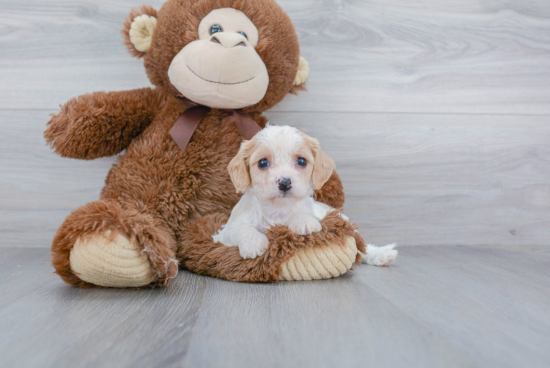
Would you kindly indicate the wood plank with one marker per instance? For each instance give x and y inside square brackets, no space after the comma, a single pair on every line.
[333,323]
[434,307]
[474,307]
[61,49]
[490,303]
[64,326]
[23,271]
[412,179]
[425,56]
[366,56]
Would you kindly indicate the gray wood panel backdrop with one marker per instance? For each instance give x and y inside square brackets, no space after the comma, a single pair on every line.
[437,113]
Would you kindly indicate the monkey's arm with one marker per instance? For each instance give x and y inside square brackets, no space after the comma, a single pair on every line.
[102,124]
[332,193]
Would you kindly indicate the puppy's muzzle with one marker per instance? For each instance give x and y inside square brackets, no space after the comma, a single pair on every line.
[285,184]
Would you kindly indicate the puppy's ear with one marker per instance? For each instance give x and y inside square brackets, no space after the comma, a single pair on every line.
[322,167]
[239,169]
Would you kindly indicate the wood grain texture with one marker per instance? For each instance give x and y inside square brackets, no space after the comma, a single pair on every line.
[434,307]
[449,56]
[415,179]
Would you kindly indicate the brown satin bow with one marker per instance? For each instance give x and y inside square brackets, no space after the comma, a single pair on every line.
[187,123]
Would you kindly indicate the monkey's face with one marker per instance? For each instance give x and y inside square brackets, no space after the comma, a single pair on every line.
[225,54]
[222,69]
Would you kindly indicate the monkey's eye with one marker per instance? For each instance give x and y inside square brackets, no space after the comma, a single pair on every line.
[301,162]
[263,163]
[243,34]
[215,29]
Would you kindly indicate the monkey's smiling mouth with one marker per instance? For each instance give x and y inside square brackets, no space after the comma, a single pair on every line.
[228,84]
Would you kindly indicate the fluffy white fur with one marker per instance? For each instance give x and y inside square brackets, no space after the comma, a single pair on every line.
[265,204]
[379,256]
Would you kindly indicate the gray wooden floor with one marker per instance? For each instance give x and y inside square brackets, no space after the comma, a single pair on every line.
[437,114]
[435,307]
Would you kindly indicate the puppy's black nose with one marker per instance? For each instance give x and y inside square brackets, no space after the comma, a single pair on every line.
[285,184]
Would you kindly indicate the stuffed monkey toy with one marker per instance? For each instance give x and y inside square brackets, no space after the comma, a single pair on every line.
[216,65]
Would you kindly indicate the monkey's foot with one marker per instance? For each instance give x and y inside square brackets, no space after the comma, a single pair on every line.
[322,262]
[110,261]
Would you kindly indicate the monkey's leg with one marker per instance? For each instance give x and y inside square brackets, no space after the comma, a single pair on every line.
[103,244]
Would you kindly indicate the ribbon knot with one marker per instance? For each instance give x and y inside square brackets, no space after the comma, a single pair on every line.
[188,122]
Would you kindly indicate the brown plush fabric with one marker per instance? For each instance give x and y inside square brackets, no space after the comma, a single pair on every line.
[102,124]
[198,253]
[155,192]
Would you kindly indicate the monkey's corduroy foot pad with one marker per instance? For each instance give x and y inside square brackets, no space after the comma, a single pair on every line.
[110,261]
[326,254]
[320,262]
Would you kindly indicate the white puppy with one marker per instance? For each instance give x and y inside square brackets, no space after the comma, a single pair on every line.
[277,171]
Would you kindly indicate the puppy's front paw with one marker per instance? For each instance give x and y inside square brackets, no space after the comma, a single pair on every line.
[253,245]
[305,225]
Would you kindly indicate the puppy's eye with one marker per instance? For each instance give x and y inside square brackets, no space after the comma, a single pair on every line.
[301,162]
[263,163]
[215,29]
[243,34]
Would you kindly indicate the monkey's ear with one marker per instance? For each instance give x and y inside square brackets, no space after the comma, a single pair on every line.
[303,72]
[138,30]
[301,76]
[238,167]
